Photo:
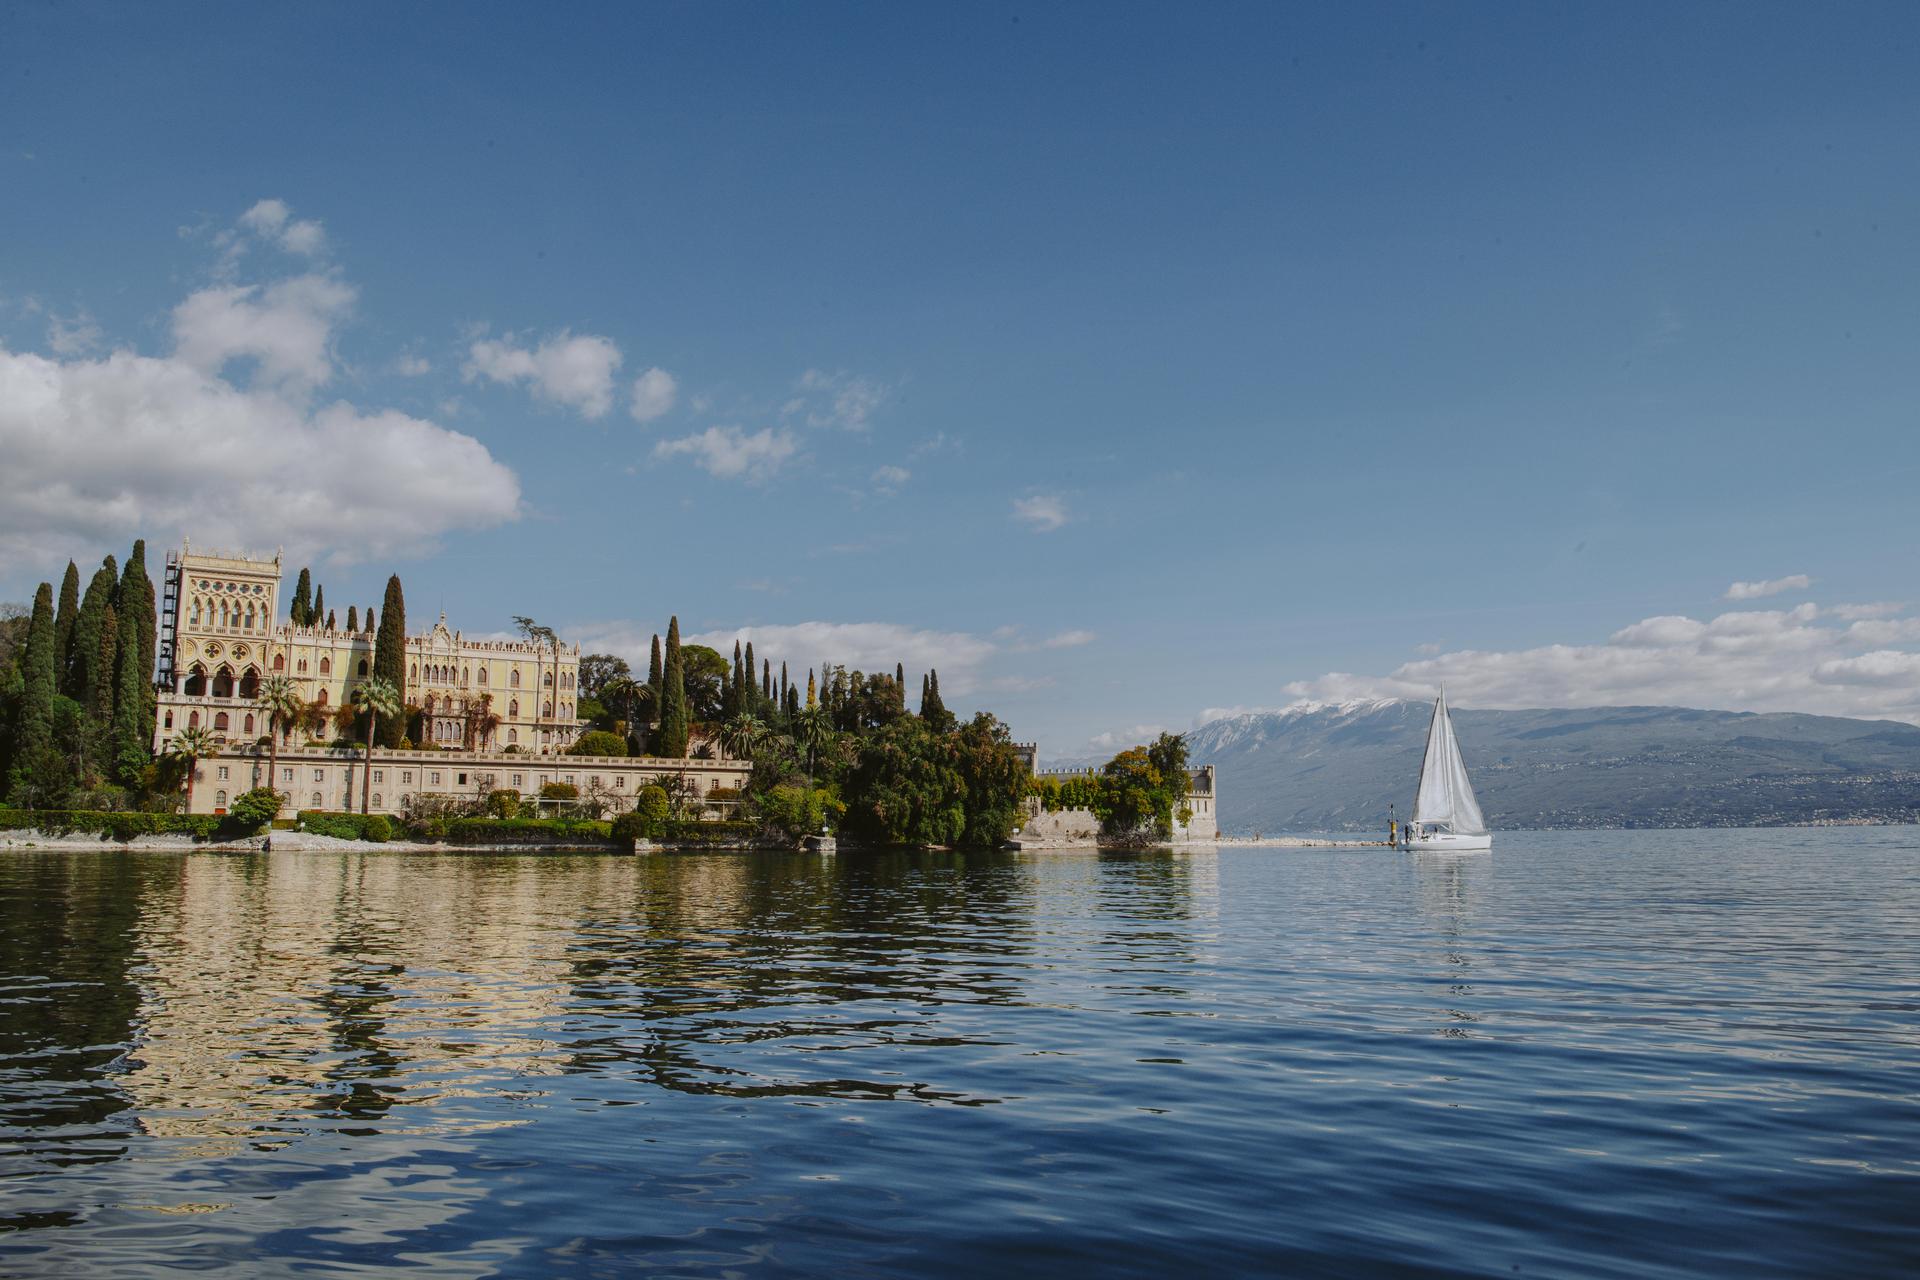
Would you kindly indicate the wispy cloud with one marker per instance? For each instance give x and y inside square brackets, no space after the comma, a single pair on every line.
[1768,587]
[730,453]
[888,480]
[842,400]
[1043,512]
[574,370]
[1068,640]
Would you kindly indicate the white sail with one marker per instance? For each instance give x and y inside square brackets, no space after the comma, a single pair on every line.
[1446,797]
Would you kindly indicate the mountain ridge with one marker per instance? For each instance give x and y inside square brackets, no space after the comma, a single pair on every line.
[1337,766]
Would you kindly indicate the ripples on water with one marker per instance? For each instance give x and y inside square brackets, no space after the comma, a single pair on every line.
[1619,1054]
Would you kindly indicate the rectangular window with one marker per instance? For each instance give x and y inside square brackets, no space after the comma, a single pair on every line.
[406,775]
[286,775]
[461,779]
[569,779]
[620,783]
[319,775]
[516,781]
[379,775]
[434,778]
[223,773]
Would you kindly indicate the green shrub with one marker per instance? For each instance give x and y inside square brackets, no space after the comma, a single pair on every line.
[122,826]
[253,810]
[559,791]
[528,831]
[341,826]
[653,805]
[376,828]
[629,827]
[503,804]
[599,742]
[708,835]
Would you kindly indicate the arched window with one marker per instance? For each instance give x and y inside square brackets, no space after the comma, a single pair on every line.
[196,681]
[326,666]
[196,611]
[546,680]
[513,735]
[513,707]
[219,722]
[483,675]
[514,679]
[376,799]
[316,800]
[322,699]
[249,617]
[220,799]
[246,726]
[169,723]
[279,662]
[413,671]
[193,719]
[466,675]
[223,682]
[250,684]
[363,668]
[546,709]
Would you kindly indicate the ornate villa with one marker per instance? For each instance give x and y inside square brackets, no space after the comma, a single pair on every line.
[220,636]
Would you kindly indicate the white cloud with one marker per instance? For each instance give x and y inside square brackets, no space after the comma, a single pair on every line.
[1045,512]
[1875,609]
[887,480]
[1116,740]
[1068,639]
[730,453]
[99,451]
[412,366]
[839,400]
[1768,587]
[1764,660]
[570,370]
[286,328]
[653,393]
[273,221]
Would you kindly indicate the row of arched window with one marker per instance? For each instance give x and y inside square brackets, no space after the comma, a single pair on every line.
[229,614]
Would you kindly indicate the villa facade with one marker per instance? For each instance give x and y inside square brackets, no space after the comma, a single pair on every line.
[221,634]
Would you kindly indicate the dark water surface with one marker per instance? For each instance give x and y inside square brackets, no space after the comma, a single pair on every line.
[1618,1054]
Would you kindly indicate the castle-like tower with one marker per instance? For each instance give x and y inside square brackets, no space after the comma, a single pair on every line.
[220,636]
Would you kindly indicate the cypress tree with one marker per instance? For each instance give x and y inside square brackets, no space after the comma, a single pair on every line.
[33,733]
[810,693]
[932,709]
[734,699]
[330,625]
[138,625]
[132,728]
[99,706]
[390,660]
[673,697]
[353,620]
[900,679]
[749,701]
[653,672]
[766,678]
[370,623]
[84,674]
[784,686]
[301,611]
[319,614]
[63,621]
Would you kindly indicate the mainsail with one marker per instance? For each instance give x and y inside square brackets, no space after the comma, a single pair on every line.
[1446,797]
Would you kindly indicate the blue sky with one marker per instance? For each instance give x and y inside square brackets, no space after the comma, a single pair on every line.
[1128,362]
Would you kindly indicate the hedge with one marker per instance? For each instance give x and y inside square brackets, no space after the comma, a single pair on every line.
[712,834]
[121,826]
[528,831]
[341,826]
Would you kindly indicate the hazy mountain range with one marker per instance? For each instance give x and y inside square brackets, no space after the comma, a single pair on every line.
[1336,767]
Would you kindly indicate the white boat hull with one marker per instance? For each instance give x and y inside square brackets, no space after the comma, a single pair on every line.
[1447,842]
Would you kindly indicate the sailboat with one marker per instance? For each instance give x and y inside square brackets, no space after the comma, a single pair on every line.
[1446,817]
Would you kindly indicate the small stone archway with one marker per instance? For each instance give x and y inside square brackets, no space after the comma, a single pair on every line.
[250,684]
[196,682]
[223,682]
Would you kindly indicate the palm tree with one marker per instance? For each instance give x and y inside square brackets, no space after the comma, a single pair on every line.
[377,697]
[634,698]
[813,730]
[535,633]
[280,698]
[741,735]
[481,721]
[190,747]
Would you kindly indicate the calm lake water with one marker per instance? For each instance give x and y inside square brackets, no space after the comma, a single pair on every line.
[1614,1054]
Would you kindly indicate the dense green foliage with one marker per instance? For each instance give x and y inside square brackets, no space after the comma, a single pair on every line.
[390,658]
[300,611]
[119,825]
[1141,791]
[253,810]
[671,738]
[599,742]
[528,831]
